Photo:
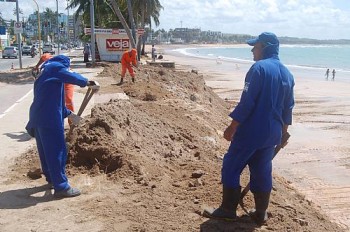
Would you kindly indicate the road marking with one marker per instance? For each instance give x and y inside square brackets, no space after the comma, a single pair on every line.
[16,103]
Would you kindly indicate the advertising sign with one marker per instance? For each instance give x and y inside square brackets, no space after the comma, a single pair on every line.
[2,30]
[111,43]
[117,44]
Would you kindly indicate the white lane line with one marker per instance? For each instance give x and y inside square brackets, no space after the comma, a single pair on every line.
[16,103]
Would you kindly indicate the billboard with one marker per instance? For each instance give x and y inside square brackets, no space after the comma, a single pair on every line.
[2,30]
[117,44]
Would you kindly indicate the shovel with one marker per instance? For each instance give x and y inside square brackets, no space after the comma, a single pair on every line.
[92,89]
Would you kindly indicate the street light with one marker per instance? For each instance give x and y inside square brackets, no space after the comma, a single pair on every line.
[39,32]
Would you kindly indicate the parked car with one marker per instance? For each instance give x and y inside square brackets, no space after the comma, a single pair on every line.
[64,47]
[9,52]
[26,50]
[48,48]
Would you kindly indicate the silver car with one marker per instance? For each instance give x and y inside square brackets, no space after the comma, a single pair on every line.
[9,52]
[26,50]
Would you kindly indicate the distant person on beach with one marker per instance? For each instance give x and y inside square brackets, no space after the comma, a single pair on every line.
[258,122]
[333,74]
[153,53]
[327,74]
[128,60]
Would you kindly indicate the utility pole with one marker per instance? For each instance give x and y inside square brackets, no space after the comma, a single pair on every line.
[39,32]
[19,39]
[68,38]
[92,22]
[58,30]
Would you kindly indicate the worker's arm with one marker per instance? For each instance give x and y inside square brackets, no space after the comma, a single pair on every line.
[231,130]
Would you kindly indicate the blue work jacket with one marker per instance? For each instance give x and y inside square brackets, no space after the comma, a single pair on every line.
[266,102]
[48,109]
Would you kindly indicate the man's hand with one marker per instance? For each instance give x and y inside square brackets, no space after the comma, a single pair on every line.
[231,130]
[75,119]
[93,85]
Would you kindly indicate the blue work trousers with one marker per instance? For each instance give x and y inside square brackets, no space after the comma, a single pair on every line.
[52,150]
[259,162]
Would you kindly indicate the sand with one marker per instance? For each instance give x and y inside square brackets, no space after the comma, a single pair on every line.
[150,160]
[317,160]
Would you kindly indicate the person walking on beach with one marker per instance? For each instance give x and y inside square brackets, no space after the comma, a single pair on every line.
[153,53]
[128,60]
[327,74]
[258,122]
[46,116]
[333,74]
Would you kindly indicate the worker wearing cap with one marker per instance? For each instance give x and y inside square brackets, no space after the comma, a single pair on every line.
[258,122]
[68,88]
[46,120]
[128,60]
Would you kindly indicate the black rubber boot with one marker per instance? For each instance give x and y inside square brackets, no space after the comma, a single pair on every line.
[133,80]
[121,81]
[227,210]
[259,215]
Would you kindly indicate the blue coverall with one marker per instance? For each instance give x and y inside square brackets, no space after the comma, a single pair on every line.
[46,117]
[265,107]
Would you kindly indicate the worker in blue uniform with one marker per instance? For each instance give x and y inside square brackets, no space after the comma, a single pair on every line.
[258,122]
[46,120]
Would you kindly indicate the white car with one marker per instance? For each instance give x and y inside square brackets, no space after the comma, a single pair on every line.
[9,52]
[48,48]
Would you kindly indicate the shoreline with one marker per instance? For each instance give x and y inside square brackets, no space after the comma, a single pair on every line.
[315,72]
[317,158]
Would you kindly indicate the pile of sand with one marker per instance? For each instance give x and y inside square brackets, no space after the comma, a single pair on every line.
[161,154]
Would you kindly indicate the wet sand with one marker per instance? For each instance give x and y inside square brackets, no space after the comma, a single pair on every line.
[317,158]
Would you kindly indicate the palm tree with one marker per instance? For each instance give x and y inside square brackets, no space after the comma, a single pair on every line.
[123,21]
[148,10]
[144,10]
[49,18]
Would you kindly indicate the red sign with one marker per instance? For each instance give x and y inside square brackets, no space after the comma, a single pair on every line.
[117,44]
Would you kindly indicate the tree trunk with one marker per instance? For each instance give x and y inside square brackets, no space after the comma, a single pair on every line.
[123,21]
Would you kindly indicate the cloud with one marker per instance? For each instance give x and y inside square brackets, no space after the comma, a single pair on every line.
[326,19]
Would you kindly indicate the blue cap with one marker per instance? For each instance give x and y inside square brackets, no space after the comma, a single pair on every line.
[267,38]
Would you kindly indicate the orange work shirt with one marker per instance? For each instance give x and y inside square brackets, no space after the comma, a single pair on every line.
[128,58]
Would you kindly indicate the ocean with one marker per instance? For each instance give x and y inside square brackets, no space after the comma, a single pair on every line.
[319,57]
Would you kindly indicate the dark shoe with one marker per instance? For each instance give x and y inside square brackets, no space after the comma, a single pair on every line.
[220,213]
[133,80]
[49,186]
[259,215]
[227,210]
[70,192]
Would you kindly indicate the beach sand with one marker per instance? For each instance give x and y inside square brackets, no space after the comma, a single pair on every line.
[317,158]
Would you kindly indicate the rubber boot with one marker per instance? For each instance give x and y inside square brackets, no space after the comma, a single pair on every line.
[121,81]
[228,207]
[133,80]
[259,215]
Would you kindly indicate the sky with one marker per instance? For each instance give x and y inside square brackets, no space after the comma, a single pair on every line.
[316,19]
[29,7]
